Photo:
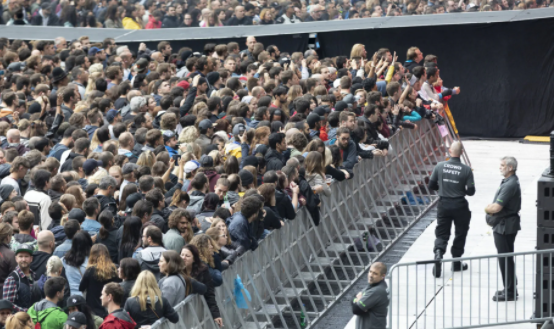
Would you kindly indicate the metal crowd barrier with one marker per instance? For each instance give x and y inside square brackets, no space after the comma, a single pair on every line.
[465,299]
[299,271]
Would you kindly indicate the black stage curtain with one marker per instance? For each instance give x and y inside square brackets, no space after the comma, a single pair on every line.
[505,70]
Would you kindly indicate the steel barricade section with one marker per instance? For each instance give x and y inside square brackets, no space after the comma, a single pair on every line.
[301,270]
[465,299]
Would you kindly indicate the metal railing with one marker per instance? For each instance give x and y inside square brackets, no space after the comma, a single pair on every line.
[301,270]
[417,299]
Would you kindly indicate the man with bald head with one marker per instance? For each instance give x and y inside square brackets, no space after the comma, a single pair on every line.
[239,18]
[453,180]
[46,245]
[14,142]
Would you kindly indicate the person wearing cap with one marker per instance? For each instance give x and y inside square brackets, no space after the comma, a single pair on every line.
[99,55]
[206,130]
[46,312]
[191,168]
[70,228]
[90,167]
[112,299]
[170,142]
[6,309]
[129,172]
[18,287]
[113,117]
[76,320]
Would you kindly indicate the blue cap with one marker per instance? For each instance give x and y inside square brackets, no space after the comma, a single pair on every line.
[92,51]
[111,115]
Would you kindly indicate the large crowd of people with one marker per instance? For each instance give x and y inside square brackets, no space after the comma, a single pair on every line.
[132,180]
[151,14]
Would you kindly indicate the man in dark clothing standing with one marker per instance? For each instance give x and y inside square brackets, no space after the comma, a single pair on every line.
[46,245]
[347,148]
[371,304]
[170,20]
[503,215]
[274,156]
[453,180]
[239,17]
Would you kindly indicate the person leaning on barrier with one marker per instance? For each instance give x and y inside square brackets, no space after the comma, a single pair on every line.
[453,180]
[371,304]
[503,216]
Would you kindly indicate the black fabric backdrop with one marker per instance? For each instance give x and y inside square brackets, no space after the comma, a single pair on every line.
[504,70]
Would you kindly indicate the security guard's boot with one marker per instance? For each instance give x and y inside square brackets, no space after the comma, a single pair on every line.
[437,268]
[459,266]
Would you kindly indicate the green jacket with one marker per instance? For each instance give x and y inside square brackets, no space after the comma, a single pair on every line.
[48,314]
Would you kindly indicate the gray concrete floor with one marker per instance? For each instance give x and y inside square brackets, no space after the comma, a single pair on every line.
[484,156]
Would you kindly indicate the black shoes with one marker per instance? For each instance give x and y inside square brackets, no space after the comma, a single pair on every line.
[459,266]
[501,297]
[437,268]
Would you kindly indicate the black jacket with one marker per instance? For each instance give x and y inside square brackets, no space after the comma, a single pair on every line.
[272,219]
[274,160]
[234,21]
[170,22]
[111,242]
[68,164]
[148,316]
[312,200]
[284,205]
[158,219]
[54,195]
[189,101]
[337,174]
[38,265]
[205,278]
[107,202]
[53,20]
[409,65]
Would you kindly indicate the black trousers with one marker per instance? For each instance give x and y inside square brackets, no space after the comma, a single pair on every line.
[452,211]
[505,244]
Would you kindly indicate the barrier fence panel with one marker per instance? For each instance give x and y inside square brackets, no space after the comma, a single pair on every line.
[299,271]
[465,299]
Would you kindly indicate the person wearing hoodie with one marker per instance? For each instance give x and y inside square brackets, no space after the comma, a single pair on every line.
[57,188]
[239,224]
[274,157]
[46,312]
[149,257]
[154,20]
[142,308]
[14,141]
[65,144]
[199,186]
[39,195]
[46,246]
[26,221]
[170,19]
[112,298]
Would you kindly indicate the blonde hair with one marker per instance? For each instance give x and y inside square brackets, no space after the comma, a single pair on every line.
[146,287]
[99,258]
[94,142]
[214,224]
[95,71]
[202,242]
[95,179]
[188,135]
[146,159]
[328,157]
[357,51]
[294,93]
[18,321]
[53,265]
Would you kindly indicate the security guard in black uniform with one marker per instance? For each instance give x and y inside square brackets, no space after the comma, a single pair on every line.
[453,180]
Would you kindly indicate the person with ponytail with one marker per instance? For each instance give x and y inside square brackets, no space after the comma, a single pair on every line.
[19,320]
[95,71]
[108,235]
